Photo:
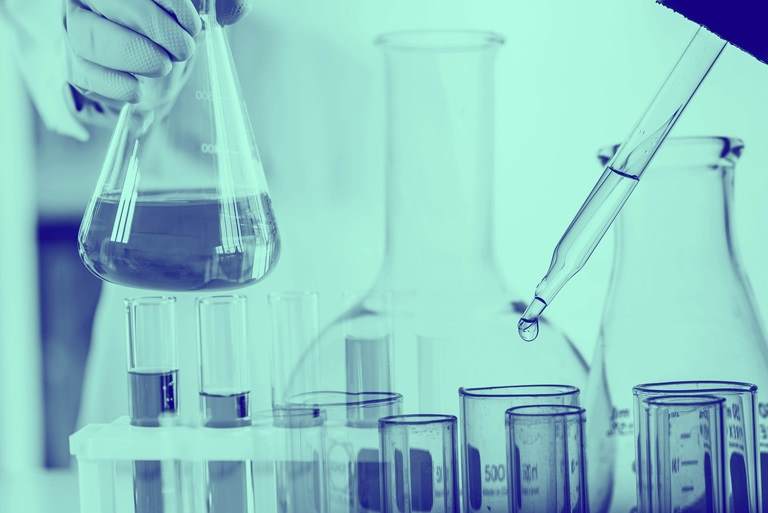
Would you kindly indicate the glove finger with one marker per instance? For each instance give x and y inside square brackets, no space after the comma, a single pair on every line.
[185,13]
[101,81]
[110,45]
[229,11]
[151,20]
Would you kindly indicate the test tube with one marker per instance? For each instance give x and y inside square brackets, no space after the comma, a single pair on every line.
[224,392]
[295,365]
[418,454]
[682,441]
[152,384]
[546,458]
[484,438]
[742,472]
[367,343]
[300,471]
[352,445]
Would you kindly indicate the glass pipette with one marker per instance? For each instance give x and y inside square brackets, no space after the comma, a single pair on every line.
[622,174]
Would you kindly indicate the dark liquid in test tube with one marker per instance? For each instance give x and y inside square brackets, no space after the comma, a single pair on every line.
[227,480]
[153,394]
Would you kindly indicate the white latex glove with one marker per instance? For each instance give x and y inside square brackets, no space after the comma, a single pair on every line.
[115,43]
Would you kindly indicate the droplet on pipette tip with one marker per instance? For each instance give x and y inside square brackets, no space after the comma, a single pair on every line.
[528,329]
[528,326]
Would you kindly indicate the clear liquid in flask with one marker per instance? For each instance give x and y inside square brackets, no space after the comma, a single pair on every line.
[190,240]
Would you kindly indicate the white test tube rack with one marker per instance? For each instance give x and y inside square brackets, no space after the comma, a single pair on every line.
[105,455]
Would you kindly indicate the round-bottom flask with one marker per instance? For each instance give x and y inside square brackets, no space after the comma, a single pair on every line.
[439,316]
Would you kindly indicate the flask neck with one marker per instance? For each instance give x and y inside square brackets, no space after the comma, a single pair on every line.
[439,176]
[674,238]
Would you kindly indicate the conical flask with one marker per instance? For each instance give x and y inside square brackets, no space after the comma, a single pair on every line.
[679,307]
[439,315]
[182,202]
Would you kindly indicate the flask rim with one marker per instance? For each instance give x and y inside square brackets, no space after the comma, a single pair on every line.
[544,411]
[536,390]
[439,40]
[694,387]
[336,398]
[683,400]
[414,419]
[149,301]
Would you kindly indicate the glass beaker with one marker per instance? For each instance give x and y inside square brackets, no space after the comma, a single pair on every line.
[483,438]
[740,458]
[546,460]
[182,202]
[679,306]
[680,454]
[419,464]
[439,315]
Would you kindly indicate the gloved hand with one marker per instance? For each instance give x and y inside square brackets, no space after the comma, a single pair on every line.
[112,42]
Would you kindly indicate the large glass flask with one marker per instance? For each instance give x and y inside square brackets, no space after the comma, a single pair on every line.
[182,202]
[679,306]
[439,315]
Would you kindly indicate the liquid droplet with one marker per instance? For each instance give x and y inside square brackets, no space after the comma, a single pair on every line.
[528,326]
[528,329]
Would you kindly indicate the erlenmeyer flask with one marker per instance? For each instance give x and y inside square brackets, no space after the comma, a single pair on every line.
[182,201]
[679,307]
[439,315]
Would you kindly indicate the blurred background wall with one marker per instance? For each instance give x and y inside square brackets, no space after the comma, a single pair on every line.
[572,77]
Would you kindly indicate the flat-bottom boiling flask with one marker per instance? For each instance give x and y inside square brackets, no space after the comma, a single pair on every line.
[679,307]
[439,316]
[182,201]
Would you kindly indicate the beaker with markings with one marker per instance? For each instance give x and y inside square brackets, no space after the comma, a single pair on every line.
[546,459]
[420,464]
[680,454]
[181,202]
[483,438]
[679,306]
[742,473]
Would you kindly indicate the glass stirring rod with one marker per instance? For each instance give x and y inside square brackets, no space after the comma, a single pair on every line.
[622,174]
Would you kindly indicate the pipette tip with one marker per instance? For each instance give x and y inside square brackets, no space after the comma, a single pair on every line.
[528,326]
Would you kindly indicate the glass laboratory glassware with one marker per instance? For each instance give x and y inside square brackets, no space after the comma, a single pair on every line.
[742,471]
[439,314]
[182,202]
[152,383]
[300,471]
[680,454]
[294,329]
[546,458]
[622,173]
[483,439]
[418,454]
[679,306]
[224,393]
[352,445]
